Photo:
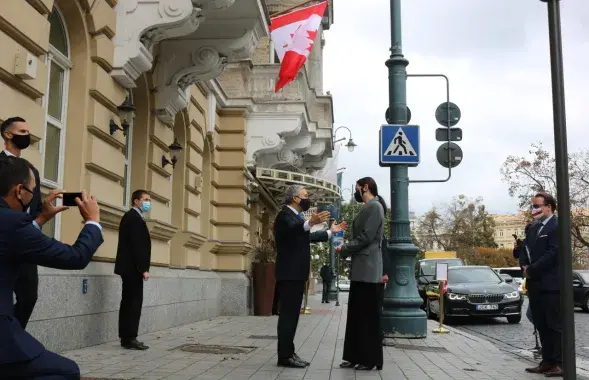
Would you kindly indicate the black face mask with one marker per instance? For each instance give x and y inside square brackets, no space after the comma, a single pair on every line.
[21,141]
[358,196]
[305,204]
[25,206]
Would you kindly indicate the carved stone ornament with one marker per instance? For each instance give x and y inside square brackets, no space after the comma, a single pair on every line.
[402,275]
[141,24]
[284,157]
[216,5]
[266,134]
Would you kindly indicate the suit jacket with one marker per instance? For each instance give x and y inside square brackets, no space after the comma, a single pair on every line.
[293,246]
[21,243]
[36,203]
[365,248]
[543,247]
[326,274]
[134,247]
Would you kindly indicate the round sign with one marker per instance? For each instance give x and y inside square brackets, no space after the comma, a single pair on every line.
[448,114]
[386,116]
[455,155]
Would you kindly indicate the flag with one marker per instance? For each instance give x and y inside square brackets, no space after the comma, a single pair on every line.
[293,35]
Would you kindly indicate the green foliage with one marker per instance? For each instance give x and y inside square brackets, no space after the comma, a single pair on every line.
[265,250]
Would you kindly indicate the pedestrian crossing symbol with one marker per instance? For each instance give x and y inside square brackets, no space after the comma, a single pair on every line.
[399,145]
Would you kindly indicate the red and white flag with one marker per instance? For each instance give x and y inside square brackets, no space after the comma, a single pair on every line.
[293,35]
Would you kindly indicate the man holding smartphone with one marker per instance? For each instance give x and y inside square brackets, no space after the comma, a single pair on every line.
[17,137]
[132,264]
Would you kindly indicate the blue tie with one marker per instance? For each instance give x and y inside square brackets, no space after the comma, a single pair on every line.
[301,216]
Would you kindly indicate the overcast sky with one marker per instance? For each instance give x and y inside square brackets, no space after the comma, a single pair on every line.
[495,53]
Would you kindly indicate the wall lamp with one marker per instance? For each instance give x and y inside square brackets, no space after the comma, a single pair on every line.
[126,111]
[174,147]
[350,145]
[255,193]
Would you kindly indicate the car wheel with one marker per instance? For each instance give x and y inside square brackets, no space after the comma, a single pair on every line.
[585,306]
[513,319]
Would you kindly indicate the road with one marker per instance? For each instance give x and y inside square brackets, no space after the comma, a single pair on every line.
[521,336]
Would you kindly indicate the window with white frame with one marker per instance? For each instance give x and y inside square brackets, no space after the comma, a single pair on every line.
[55,103]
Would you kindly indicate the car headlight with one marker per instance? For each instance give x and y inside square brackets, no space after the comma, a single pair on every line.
[456,297]
[512,295]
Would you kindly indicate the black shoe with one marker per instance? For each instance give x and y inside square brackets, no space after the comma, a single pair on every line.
[367,368]
[133,345]
[347,365]
[298,358]
[290,363]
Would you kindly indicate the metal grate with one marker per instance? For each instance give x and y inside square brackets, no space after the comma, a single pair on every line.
[262,337]
[215,349]
[484,298]
[420,348]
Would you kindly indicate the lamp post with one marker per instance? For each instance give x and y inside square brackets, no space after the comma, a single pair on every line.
[402,315]
[350,145]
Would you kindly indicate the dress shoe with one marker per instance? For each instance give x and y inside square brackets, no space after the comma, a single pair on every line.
[367,368]
[347,365]
[291,363]
[298,358]
[134,345]
[554,371]
[541,368]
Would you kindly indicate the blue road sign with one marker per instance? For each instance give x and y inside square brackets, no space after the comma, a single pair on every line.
[399,145]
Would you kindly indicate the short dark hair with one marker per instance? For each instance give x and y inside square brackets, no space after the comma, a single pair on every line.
[548,200]
[137,194]
[13,171]
[8,123]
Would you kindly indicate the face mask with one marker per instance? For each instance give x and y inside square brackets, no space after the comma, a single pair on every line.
[305,204]
[537,213]
[146,206]
[21,141]
[25,206]
[358,195]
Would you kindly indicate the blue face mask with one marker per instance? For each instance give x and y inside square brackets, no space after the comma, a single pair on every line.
[146,206]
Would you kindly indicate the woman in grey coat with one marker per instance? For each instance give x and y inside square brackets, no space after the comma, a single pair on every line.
[363,340]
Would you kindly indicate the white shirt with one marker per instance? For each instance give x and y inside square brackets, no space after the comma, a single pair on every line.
[306,226]
[8,153]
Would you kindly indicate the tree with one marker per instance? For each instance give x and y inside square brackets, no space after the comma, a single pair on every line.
[458,226]
[535,172]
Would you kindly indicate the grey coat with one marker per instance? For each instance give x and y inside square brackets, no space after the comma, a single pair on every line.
[365,245]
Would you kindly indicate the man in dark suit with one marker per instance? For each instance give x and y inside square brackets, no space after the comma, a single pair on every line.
[293,262]
[326,277]
[133,261]
[541,270]
[17,137]
[21,242]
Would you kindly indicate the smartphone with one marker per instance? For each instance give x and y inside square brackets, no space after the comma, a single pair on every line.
[69,199]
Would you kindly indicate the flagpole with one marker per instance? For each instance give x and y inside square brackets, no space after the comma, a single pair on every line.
[296,6]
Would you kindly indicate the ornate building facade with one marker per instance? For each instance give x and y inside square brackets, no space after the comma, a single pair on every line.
[175,97]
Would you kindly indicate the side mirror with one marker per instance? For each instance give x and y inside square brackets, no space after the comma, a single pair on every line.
[507,278]
[577,283]
[434,282]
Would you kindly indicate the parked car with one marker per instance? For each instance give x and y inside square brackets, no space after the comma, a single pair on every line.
[343,285]
[515,272]
[426,273]
[475,291]
[581,289]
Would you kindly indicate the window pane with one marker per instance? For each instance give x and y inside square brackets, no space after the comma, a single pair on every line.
[49,228]
[54,105]
[52,143]
[57,35]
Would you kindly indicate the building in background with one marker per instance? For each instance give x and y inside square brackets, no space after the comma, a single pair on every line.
[507,225]
[175,98]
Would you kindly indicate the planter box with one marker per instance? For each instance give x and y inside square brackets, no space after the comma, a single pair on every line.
[264,283]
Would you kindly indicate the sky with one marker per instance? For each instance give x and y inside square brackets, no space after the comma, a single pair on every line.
[496,55]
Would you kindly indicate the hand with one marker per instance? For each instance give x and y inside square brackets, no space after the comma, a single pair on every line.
[338,248]
[335,228]
[518,244]
[385,278]
[526,275]
[319,218]
[49,209]
[88,207]
[145,276]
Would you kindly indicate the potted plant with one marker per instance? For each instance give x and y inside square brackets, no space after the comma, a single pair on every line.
[263,273]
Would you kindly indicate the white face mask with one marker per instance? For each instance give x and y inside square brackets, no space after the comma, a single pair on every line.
[537,213]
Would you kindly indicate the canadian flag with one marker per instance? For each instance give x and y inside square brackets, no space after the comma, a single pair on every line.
[293,35]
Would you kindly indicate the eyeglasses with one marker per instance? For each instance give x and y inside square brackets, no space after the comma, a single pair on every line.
[535,206]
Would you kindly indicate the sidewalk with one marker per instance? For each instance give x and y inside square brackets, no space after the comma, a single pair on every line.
[319,339]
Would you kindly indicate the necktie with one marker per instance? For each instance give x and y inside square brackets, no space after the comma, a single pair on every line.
[301,216]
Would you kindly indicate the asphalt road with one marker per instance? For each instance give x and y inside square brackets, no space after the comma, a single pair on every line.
[521,336]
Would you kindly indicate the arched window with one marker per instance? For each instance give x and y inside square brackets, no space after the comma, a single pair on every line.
[55,104]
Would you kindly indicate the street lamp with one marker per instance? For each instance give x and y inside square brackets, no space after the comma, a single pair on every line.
[350,145]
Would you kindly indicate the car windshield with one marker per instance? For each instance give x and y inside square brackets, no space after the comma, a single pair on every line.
[515,273]
[428,268]
[584,276]
[473,275]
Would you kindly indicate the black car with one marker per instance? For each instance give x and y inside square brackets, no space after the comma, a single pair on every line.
[426,271]
[581,289]
[475,291]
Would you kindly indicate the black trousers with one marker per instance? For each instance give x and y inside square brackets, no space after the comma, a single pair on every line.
[363,339]
[276,300]
[325,294]
[131,304]
[291,296]
[548,322]
[26,291]
[47,366]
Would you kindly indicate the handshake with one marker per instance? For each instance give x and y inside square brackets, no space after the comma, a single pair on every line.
[323,217]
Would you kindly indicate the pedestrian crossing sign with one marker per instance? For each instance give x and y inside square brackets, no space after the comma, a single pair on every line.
[399,145]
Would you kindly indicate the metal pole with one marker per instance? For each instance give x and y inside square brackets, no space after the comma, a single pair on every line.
[562,186]
[402,315]
[331,292]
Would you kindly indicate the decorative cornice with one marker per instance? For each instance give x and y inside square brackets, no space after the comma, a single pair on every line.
[190,239]
[234,248]
[160,230]
[110,216]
